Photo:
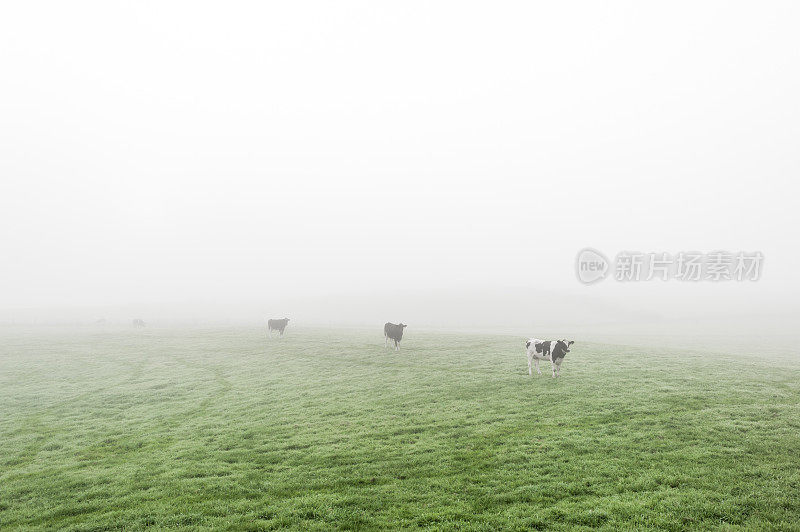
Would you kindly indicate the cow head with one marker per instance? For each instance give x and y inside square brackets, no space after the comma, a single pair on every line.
[565,344]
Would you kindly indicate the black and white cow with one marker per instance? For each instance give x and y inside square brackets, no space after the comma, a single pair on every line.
[393,332]
[138,322]
[277,325]
[552,350]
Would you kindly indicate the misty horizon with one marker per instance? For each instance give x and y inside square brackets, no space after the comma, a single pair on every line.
[196,173]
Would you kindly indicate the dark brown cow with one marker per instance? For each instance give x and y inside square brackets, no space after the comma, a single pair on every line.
[277,325]
[393,332]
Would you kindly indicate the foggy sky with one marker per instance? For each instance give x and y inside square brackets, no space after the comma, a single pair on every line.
[273,156]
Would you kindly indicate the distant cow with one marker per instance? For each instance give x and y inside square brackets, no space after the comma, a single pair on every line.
[393,332]
[138,322]
[552,350]
[277,325]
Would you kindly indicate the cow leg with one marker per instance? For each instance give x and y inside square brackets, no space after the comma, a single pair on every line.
[269,331]
[529,364]
[385,341]
[396,345]
[553,367]
[537,367]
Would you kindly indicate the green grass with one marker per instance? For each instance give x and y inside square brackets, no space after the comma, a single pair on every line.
[221,428]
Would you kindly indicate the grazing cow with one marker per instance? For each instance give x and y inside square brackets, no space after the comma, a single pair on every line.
[277,325]
[552,350]
[138,322]
[393,332]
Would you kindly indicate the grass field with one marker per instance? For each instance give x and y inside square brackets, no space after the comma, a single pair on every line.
[325,429]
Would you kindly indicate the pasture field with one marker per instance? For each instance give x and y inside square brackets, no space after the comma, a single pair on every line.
[325,429]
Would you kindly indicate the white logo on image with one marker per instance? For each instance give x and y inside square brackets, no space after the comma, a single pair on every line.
[591,266]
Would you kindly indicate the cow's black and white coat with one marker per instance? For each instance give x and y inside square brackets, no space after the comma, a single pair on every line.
[394,332]
[277,325]
[552,350]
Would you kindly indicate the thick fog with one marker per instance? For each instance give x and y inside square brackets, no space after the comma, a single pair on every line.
[439,164]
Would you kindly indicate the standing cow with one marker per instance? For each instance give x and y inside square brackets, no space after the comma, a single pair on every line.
[138,322]
[552,350]
[393,332]
[277,325]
